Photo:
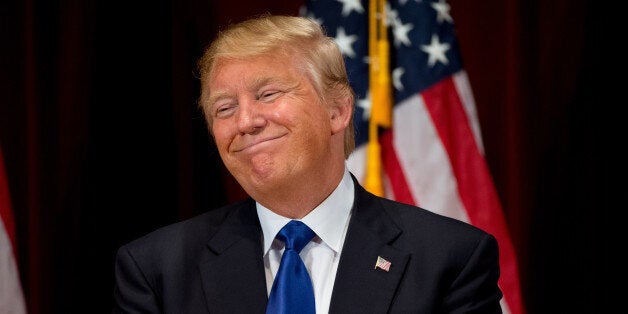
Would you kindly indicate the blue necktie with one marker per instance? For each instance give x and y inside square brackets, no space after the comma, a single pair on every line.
[292,290]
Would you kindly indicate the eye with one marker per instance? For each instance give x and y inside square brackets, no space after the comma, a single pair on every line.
[269,95]
[223,110]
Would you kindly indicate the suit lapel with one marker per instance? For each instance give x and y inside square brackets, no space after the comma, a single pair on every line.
[233,276]
[360,287]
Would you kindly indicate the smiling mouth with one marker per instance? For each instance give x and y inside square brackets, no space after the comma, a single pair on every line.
[256,143]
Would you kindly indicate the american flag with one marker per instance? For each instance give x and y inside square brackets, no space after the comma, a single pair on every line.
[382,263]
[433,155]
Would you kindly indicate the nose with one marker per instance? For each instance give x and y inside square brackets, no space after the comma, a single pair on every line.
[249,117]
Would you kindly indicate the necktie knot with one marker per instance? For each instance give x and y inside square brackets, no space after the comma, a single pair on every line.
[292,290]
[295,235]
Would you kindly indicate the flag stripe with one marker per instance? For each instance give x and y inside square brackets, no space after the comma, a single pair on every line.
[475,184]
[463,88]
[11,295]
[393,171]
[424,160]
[5,205]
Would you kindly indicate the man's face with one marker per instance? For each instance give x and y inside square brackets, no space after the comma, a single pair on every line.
[270,127]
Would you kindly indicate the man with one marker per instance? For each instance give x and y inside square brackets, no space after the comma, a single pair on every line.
[278,103]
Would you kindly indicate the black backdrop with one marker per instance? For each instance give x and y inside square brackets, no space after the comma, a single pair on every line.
[103,141]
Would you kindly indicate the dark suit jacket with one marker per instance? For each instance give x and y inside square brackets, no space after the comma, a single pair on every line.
[213,264]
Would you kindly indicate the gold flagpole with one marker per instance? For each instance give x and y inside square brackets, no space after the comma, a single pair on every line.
[381,98]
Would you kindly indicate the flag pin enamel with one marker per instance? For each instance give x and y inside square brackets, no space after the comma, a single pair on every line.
[382,263]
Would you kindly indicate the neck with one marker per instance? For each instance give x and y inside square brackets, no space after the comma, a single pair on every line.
[297,200]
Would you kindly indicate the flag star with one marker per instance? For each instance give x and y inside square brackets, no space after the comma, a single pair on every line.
[442,10]
[436,51]
[345,42]
[400,31]
[391,15]
[396,76]
[365,104]
[351,5]
[366,59]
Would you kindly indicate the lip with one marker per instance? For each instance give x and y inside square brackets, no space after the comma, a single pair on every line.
[256,143]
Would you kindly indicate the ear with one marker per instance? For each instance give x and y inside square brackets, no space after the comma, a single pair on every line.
[340,113]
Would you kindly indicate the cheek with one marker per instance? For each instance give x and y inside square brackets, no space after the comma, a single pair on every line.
[298,112]
[222,135]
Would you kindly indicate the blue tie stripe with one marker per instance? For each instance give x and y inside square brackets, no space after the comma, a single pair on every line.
[292,290]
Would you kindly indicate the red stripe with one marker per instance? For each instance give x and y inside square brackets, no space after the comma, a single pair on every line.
[5,206]
[393,170]
[475,184]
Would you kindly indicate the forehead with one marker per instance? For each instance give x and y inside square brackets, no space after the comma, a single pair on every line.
[229,73]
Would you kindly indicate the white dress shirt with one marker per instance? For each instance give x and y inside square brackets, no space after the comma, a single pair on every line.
[329,221]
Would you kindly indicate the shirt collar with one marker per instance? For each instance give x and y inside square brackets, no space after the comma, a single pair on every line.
[327,220]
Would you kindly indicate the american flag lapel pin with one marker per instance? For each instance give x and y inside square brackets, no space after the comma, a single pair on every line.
[382,263]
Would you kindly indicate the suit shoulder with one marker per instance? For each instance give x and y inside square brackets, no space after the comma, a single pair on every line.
[429,234]
[414,219]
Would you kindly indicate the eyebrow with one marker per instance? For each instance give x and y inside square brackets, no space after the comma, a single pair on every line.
[215,97]
[255,85]
[263,81]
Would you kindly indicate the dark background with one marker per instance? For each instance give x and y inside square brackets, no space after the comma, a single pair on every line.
[103,141]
